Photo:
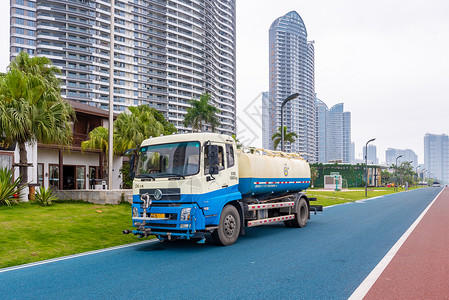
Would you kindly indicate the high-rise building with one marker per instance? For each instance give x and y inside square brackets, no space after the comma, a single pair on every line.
[436,156]
[372,154]
[333,132]
[407,155]
[162,53]
[322,115]
[352,157]
[291,64]
[266,138]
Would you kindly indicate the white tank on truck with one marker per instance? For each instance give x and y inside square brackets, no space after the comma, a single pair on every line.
[265,171]
[188,185]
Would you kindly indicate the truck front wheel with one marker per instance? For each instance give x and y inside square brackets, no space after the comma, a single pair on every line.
[229,227]
[302,214]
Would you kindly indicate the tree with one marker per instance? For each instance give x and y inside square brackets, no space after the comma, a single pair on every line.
[31,107]
[201,111]
[237,142]
[288,137]
[386,177]
[406,173]
[313,174]
[130,130]
[98,139]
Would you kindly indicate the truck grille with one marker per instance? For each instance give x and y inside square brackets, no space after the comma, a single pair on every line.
[167,194]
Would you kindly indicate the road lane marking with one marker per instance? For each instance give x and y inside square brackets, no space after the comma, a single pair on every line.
[369,281]
[75,256]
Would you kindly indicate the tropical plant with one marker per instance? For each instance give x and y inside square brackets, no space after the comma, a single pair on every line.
[237,142]
[130,129]
[288,137]
[313,174]
[31,107]
[9,187]
[201,111]
[98,139]
[44,197]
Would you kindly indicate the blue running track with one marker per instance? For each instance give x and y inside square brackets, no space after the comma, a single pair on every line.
[326,260]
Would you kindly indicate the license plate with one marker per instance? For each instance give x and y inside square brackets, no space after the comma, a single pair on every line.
[157,216]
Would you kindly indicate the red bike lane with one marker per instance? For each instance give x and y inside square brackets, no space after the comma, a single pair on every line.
[420,268]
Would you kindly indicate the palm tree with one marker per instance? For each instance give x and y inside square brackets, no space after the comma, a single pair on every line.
[130,129]
[31,108]
[201,111]
[288,137]
[98,139]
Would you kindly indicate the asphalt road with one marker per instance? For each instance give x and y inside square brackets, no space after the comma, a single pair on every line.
[326,260]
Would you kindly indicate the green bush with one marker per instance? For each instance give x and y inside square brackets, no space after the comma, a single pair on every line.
[44,197]
[9,188]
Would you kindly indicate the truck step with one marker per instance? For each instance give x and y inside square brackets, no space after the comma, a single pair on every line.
[270,220]
[149,218]
[270,205]
[316,208]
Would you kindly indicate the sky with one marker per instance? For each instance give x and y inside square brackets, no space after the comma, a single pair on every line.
[386,60]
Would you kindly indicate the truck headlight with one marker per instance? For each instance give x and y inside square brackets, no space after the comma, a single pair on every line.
[185,214]
[135,212]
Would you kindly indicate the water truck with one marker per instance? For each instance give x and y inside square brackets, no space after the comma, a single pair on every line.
[188,185]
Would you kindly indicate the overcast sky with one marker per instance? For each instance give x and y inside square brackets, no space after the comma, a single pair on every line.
[386,60]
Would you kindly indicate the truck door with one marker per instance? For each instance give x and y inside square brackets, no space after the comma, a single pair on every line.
[216,185]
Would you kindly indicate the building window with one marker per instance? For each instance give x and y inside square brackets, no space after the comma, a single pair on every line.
[19,40]
[53,178]
[80,178]
[40,174]
[6,160]
[19,30]
[20,11]
[19,2]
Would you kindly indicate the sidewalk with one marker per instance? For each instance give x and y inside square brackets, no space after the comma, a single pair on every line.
[420,268]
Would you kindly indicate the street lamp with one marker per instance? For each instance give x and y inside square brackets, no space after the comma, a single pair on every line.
[366,166]
[289,98]
[396,185]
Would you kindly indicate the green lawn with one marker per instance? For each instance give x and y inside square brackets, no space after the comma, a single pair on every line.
[327,198]
[32,233]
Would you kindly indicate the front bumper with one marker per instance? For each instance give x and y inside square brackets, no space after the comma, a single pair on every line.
[165,221]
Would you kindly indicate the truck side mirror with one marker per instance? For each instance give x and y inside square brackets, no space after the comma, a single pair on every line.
[131,166]
[132,159]
[213,159]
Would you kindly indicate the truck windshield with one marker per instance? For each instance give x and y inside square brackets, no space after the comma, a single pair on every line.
[169,160]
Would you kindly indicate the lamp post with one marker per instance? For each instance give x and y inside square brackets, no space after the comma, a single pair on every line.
[366,166]
[289,98]
[396,185]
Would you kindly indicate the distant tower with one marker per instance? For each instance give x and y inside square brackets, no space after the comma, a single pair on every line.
[372,154]
[291,63]
[266,138]
[322,115]
[436,156]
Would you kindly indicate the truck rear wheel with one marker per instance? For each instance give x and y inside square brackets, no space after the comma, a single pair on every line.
[302,214]
[229,227]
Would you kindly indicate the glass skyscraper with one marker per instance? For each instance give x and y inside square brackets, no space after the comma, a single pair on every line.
[291,70]
[407,155]
[333,131]
[436,156]
[157,52]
